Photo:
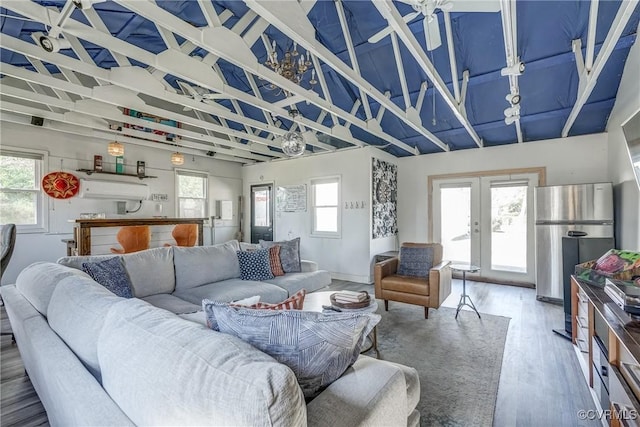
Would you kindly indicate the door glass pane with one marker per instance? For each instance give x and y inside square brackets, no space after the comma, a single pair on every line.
[455,223]
[509,228]
[261,208]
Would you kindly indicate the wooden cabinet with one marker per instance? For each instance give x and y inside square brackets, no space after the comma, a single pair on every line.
[607,343]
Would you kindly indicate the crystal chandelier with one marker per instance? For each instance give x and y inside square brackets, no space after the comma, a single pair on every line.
[293,144]
[293,66]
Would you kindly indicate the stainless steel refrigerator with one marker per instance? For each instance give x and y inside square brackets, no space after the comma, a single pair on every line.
[581,210]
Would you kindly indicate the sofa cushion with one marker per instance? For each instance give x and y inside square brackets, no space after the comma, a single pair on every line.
[289,253]
[406,284]
[255,265]
[38,281]
[318,347]
[274,261]
[172,303]
[76,313]
[311,281]
[415,261]
[199,265]
[111,274]
[182,373]
[231,290]
[151,271]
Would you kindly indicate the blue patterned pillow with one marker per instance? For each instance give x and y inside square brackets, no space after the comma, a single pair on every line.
[255,265]
[317,347]
[111,274]
[415,262]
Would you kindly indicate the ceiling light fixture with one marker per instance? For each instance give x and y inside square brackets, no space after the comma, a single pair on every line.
[177,158]
[513,70]
[292,67]
[511,119]
[513,98]
[52,44]
[115,148]
[293,144]
[512,111]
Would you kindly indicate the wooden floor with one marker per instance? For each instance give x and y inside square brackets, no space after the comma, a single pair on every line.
[541,383]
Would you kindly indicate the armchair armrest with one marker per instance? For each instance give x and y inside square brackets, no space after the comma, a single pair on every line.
[440,281]
[383,269]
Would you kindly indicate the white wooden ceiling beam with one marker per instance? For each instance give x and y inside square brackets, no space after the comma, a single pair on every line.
[221,42]
[97,23]
[591,33]
[510,36]
[62,123]
[138,84]
[291,19]
[323,86]
[452,57]
[390,13]
[617,26]
[110,95]
[352,56]
[401,75]
[209,13]
[421,95]
[42,69]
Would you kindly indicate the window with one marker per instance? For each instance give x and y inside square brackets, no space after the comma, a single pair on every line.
[21,201]
[325,200]
[191,188]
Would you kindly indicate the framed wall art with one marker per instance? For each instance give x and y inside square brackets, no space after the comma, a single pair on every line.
[384,188]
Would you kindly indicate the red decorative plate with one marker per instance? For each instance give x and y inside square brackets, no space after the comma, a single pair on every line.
[60,185]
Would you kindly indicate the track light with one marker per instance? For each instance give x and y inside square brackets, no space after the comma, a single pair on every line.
[513,98]
[511,119]
[512,111]
[514,70]
[52,44]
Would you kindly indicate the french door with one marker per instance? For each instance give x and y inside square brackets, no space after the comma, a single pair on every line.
[487,221]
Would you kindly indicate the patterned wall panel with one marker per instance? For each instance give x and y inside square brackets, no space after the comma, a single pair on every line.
[384,189]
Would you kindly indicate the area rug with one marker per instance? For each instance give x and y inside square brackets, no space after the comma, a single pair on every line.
[459,361]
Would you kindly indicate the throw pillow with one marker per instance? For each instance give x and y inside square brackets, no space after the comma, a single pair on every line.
[294,302]
[415,261]
[254,265]
[317,347]
[274,261]
[289,254]
[111,274]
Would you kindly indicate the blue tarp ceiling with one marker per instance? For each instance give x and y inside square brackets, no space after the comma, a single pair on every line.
[545,30]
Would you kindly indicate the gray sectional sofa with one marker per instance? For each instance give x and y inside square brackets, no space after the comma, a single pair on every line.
[98,359]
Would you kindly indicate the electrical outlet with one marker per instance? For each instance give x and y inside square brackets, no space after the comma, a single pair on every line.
[159,197]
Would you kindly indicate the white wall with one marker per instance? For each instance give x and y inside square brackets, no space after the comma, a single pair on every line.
[69,152]
[620,169]
[348,257]
[568,161]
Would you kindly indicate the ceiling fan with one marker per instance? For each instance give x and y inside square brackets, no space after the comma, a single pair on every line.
[428,8]
[199,94]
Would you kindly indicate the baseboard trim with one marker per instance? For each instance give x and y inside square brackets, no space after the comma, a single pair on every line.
[352,278]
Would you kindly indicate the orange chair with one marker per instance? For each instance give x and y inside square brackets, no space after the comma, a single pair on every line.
[185,234]
[133,238]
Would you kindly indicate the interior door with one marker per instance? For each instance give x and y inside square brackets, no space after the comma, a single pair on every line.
[261,212]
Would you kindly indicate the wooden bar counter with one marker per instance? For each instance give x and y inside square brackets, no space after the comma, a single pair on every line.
[84,226]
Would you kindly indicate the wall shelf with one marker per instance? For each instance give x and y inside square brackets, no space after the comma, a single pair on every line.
[92,171]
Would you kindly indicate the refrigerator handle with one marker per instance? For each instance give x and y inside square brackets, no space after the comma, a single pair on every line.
[576,233]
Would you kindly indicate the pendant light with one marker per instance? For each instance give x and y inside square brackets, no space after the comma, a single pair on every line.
[115,148]
[177,158]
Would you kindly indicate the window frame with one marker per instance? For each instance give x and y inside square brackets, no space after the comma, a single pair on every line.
[312,184]
[42,200]
[192,173]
